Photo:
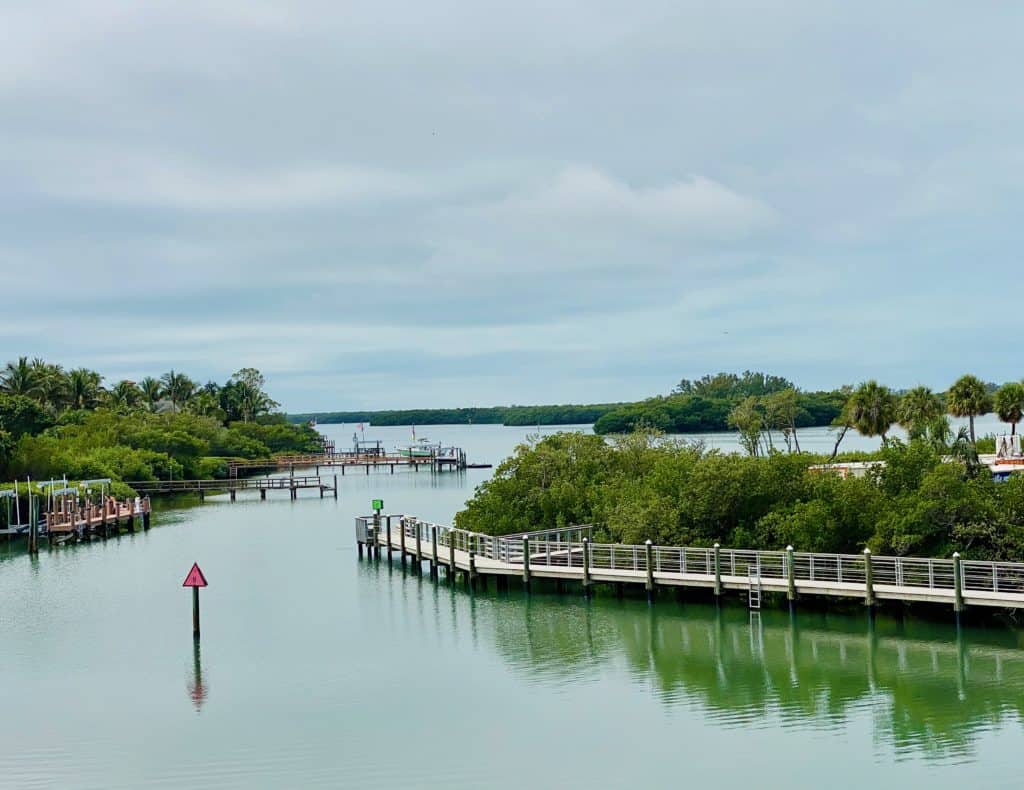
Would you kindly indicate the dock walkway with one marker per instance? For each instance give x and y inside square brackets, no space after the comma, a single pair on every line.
[292,484]
[571,555]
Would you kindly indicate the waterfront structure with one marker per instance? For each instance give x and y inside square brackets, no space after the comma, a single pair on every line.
[571,555]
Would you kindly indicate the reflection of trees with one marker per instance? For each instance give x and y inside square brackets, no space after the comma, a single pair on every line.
[928,688]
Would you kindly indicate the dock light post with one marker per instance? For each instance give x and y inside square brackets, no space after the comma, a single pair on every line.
[378,506]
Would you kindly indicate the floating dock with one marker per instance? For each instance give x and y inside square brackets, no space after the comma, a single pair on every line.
[570,555]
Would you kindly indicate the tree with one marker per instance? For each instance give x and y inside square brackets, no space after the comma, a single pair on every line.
[83,388]
[152,392]
[20,378]
[1009,404]
[968,397]
[871,409]
[746,418]
[243,398]
[917,409]
[125,394]
[177,388]
[782,411]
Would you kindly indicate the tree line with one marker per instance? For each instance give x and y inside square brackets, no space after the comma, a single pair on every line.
[923,501]
[56,422]
[566,414]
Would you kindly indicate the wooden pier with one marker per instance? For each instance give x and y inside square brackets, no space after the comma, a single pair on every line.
[262,484]
[348,460]
[570,555]
[81,521]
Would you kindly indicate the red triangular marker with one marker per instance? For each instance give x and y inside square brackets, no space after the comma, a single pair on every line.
[195,577]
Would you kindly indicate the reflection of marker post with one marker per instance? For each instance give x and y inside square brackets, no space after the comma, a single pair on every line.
[195,580]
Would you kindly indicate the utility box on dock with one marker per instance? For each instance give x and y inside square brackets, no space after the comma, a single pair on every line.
[367,528]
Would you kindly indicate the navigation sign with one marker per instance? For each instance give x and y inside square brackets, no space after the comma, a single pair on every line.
[195,580]
[378,504]
[195,577]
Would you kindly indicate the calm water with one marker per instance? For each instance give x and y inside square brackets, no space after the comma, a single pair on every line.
[317,669]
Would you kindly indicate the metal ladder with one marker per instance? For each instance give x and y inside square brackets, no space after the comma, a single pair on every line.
[754,586]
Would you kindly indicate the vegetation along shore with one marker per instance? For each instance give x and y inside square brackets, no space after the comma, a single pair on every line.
[56,422]
[926,496]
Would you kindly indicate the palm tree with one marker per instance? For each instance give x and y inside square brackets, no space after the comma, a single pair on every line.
[178,388]
[872,409]
[83,388]
[968,398]
[917,408]
[125,394]
[1009,404]
[52,383]
[20,378]
[152,392]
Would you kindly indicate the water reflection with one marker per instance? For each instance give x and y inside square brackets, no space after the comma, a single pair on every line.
[197,690]
[927,689]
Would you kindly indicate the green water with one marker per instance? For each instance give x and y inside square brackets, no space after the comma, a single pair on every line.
[317,669]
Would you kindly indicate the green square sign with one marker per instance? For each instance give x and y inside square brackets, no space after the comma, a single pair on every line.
[378,504]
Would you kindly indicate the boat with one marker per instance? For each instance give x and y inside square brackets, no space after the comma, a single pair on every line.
[422,448]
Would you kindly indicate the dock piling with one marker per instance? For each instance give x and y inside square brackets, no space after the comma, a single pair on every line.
[869,580]
[526,563]
[433,546]
[718,570]
[649,552]
[586,567]
[958,584]
[790,575]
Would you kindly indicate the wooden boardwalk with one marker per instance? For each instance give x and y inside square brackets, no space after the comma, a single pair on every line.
[571,555]
[349,460]
[262,484]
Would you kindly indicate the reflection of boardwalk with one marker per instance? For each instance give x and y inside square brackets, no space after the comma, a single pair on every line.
[569,555]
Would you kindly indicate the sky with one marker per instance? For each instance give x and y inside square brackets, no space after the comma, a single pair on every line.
[405,204]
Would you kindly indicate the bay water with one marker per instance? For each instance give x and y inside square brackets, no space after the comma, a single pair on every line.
[317,669]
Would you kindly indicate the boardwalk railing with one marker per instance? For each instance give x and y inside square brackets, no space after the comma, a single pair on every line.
[564,553]
[230,484]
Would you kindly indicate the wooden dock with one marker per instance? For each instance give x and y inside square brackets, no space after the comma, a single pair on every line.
[570,555]
[82,521]
[344,460]
[231,486]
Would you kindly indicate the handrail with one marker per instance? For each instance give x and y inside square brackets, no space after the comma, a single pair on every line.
[773,566]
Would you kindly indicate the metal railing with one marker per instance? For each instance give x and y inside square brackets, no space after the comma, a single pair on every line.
[565,549]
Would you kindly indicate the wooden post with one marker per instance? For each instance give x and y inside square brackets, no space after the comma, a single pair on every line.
[195,612]
[387,521]
[433,544]
[586,566]
[869,579]
[649,553]
[263,494]
[790,577]
[451,557]
[526,563]
[336,496]
[401,539]
[958,584]
[33,527]
[472,568]
[147,509]
[202,495]
[231,494]
[718,569]
[419,547]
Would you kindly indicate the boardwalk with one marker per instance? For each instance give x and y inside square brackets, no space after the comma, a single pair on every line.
[348,460]
[262,484]
[570,555]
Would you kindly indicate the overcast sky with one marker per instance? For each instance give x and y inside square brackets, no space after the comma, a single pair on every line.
[402,204]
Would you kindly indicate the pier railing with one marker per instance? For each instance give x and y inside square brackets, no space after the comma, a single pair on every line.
[565,549]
